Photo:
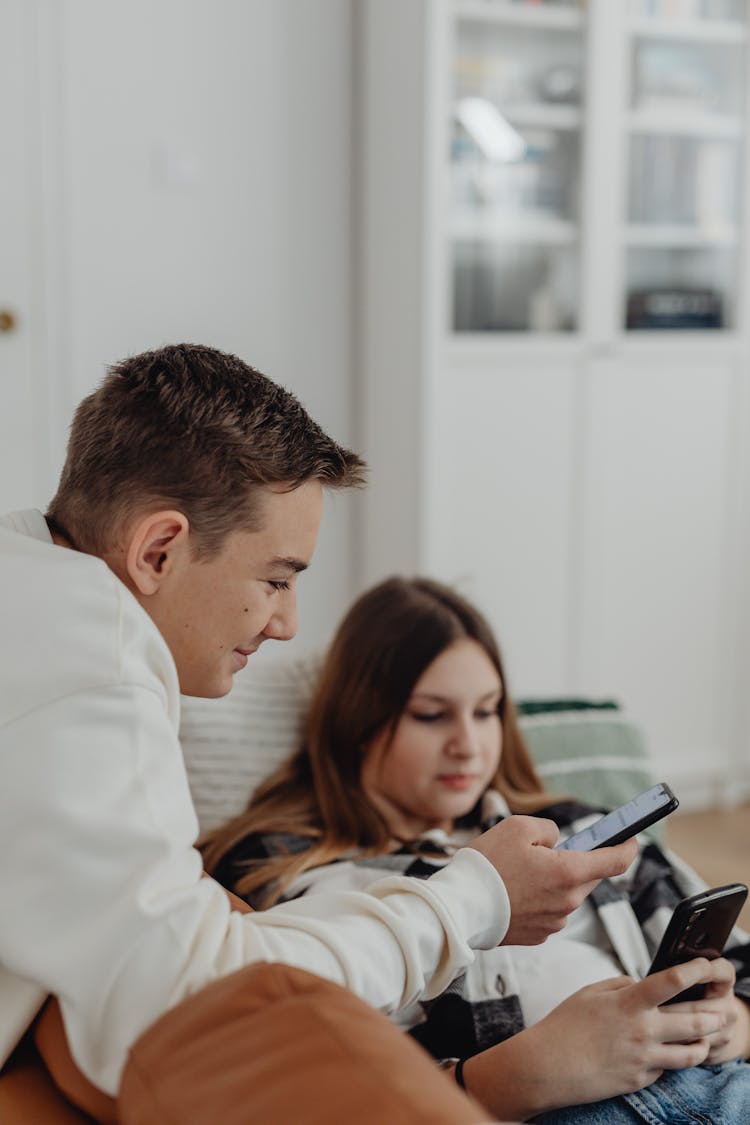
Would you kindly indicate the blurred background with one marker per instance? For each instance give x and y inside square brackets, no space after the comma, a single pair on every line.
[500,246]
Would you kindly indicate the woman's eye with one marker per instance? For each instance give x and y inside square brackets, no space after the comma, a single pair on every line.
[278,585]
[427,716]
[486,714]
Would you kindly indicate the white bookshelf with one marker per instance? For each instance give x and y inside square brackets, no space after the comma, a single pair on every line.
[587,483]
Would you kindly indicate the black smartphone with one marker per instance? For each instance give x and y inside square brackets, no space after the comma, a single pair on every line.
[627,821]
[699,927]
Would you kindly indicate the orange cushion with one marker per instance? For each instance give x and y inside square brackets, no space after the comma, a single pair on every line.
[29,1097]
[52,1044]
[277,1045]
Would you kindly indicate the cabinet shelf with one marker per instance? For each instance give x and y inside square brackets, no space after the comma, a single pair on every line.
[678,121]
[520,229]
[691,31]
[543,115]
[520,15]
[665,235]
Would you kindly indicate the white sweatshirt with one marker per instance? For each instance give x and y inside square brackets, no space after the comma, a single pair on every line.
[101,897]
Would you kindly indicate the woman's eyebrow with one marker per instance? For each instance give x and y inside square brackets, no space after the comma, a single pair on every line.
[446,699]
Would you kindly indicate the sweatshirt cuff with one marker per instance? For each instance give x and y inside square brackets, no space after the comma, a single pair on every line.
[475,894]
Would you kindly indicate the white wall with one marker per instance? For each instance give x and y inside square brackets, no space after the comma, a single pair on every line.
[193,165]
[181,170]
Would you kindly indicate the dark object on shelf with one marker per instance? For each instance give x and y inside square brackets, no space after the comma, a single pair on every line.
[561,85]
[674,308]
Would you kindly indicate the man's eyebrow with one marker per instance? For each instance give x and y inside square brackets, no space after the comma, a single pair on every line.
[295,565]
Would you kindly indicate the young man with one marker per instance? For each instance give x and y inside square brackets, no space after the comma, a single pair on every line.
[188,505]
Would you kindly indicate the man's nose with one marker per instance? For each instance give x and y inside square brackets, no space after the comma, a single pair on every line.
[282,624]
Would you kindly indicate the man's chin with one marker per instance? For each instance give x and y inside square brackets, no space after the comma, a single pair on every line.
[208,689]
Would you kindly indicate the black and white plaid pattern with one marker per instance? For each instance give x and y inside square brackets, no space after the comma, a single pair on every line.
[482,1006]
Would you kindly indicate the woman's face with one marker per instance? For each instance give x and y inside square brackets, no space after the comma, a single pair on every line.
[446,746]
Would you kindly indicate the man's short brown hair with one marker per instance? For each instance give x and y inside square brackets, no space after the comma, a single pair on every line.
[192,428]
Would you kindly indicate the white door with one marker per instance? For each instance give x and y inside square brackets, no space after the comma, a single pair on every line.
[21,440]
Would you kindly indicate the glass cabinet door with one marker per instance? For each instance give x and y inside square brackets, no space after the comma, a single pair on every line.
[516,107]
[685,125]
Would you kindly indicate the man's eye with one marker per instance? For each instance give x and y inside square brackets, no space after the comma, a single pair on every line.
[279,585]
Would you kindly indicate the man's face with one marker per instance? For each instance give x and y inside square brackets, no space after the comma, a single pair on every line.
[215,614]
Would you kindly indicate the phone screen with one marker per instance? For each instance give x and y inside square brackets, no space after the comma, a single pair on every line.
[624,822]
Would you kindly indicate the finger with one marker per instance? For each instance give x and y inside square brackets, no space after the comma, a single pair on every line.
[603,863]
[688,1027]
[719,990]
[680,1056]
[722,972]
[585,889]
[716,1005]
[719,979]
[544,832]
[657,988]
[718,1054]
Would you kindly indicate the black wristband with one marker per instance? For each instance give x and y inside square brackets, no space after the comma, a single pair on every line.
[458,1073]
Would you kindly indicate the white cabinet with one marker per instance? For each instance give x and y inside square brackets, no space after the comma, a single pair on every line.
[516,88]
[553,345]
[620,123]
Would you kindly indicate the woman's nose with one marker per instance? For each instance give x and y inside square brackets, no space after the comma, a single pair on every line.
[463,740]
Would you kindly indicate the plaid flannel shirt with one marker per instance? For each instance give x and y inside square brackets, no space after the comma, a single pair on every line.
[483,1006]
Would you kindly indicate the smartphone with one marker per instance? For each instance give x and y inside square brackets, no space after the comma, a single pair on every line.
[699,927]
[627,821]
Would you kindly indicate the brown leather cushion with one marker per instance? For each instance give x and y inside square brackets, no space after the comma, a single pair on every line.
[277,1045]
[52,1044]
[50,1040]
[29,1097]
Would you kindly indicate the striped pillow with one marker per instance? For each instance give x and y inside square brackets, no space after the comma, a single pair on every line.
[587,749]
[231,744]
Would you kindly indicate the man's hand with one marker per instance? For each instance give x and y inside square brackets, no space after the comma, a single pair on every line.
[544,885]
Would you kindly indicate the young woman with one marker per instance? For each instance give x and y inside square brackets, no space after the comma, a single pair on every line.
[411,747]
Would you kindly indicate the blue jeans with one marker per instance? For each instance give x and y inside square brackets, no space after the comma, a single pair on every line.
[702,1095]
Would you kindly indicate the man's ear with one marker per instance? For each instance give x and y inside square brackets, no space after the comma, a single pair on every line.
[157,543]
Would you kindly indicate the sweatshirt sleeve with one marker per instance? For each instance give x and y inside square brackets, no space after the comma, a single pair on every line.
[104,904]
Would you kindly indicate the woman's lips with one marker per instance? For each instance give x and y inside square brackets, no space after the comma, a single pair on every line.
[457,781]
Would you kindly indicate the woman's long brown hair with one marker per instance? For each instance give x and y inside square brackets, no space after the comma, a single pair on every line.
[387,640]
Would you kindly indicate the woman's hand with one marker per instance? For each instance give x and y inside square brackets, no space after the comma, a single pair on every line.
[606,1039]
[732,1039]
